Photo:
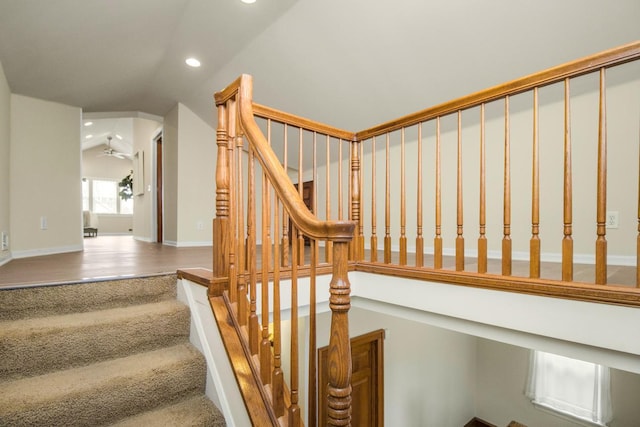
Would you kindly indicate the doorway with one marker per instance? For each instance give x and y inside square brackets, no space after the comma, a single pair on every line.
[367,381]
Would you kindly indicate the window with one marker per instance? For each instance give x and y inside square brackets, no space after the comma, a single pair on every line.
[102,196]
[570,387]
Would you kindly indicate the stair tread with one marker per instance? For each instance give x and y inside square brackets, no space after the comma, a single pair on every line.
[79,383]
[69,298]
[196,411]
[83,319]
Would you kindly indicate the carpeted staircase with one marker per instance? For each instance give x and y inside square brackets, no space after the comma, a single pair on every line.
[103,353]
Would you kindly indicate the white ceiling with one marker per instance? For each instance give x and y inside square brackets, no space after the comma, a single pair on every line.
[349,63]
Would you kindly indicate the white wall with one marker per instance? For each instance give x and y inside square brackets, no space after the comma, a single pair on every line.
[190,154]
[197,155]
[5,104]
[144,131]
[45,177]
[170,175]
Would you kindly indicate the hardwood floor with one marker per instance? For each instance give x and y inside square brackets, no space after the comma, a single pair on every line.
[104,257]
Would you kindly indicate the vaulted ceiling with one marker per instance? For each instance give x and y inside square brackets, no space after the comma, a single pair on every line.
[349,63]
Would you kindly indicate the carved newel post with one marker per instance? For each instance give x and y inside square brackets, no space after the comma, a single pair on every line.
[339,360]
[221,221]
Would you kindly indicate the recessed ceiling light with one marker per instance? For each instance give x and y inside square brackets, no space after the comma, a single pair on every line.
[192,62]
[119,137]
[88,123]
[89,136]
[248,1]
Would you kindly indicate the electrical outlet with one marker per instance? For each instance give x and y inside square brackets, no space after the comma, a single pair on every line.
[612,219]
[43,223]
[4,241]
[200,225]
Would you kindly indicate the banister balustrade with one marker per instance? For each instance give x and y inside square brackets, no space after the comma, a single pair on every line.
[502,182]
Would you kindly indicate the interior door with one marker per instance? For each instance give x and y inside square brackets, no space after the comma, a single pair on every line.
[367,381]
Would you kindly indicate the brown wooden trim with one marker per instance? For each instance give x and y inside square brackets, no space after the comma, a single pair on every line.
[201,276]
[228,92]
[618,295]
[254,396]
[608,58]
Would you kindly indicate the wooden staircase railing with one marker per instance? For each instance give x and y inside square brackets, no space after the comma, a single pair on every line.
[518,140]
[371,181]
[244,158]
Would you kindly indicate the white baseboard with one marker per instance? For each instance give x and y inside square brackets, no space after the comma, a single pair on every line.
[626,260]
[143,239]
[187,244]
[46,251]
[5,260]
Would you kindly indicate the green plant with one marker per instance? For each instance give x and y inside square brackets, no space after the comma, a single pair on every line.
[126,187]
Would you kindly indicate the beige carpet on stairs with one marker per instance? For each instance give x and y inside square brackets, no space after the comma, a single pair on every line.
[103,353]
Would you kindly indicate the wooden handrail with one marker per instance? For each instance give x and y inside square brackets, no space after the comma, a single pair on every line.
[616,56]
[306,222]
[303,123]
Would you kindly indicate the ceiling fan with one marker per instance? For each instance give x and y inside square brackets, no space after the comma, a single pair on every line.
[108,151]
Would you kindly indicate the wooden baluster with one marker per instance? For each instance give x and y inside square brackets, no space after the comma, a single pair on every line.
[251,254]
[340,216]
[339,354]
[387,207]
[241,253]
[403,204]
[534,245]
[362,210]
[328,254]
[506,240]
[294,408]
[285,216]
[482,239]
[349,198]
[355,199]
[419,238]
[264,344]
[459,209]
[638,237]
[277,380]
[437,241]
[233,274]
[300,192]
[567,241]
[312,390]
[374,235]
[601,242]
[221,221]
